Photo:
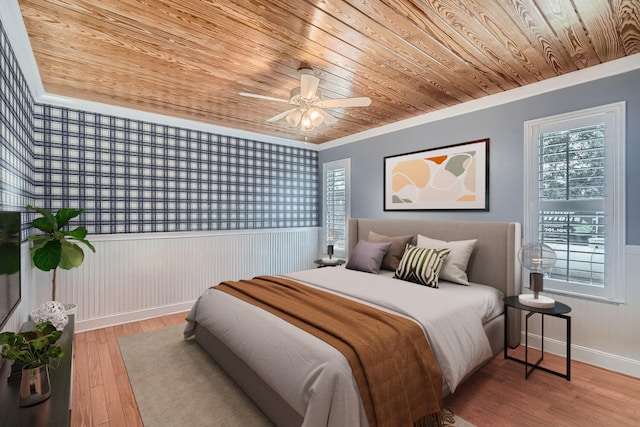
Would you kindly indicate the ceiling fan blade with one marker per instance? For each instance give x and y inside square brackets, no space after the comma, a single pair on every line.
[363,101]
[328,118]
[280,116]
[308,83]
[268,98]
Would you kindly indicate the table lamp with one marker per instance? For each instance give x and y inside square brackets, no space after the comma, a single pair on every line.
[330,244]
[538,258]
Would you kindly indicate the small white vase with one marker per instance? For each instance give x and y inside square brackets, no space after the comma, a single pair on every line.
[52,311]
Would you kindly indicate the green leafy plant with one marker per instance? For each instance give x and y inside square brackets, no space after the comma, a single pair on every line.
[56,248]
[33,348]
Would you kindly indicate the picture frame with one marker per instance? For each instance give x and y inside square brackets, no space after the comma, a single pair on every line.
[453,177]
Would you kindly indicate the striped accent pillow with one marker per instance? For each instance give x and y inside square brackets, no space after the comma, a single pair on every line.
[421,265]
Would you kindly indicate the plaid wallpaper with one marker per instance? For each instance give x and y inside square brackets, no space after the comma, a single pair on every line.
[16,134]
[133,176]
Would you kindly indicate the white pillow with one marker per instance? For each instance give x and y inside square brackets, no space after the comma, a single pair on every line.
[455,265]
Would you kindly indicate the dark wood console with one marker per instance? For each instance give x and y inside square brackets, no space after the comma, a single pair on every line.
[55,411]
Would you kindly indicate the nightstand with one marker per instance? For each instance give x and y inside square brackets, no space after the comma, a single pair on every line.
[334,263]
[559,310]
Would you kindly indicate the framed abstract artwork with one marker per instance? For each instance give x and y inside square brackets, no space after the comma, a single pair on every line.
[455,177]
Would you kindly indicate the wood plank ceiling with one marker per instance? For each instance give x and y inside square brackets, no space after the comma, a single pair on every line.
[190,59]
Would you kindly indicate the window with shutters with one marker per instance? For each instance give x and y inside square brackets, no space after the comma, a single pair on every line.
[335,206]
[574,196]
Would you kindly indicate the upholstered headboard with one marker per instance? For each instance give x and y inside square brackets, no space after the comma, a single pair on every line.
[494,260]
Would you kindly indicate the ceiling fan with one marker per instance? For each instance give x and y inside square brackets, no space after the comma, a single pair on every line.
[308,111]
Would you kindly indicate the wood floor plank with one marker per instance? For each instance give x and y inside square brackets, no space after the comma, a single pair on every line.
[81,400]
[114,353]
[498,395]
[129,405]
[93,361]
[131,328]
[99,414]
[127,399]
[109,384]
[119,330]
[90,335]
[148,325]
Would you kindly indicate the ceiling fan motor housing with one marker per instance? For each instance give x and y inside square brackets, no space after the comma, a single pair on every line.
[296,99]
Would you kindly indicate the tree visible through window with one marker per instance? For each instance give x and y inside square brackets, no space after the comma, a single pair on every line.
[574,185]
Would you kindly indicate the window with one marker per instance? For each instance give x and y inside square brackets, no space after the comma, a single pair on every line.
[574,193]
[335,206]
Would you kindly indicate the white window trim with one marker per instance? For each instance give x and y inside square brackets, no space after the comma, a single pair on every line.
[614,118]
[346,163]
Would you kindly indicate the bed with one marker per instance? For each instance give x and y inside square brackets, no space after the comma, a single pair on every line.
[297,379]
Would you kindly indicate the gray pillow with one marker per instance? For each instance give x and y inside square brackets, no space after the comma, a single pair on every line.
[394,254]
[367,256]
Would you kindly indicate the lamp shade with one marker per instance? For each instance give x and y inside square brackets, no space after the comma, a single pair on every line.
[306,123]
[537,257]
[316,116]
[293,118]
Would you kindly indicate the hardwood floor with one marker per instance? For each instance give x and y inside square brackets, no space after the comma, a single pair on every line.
[102,395]
[497,395]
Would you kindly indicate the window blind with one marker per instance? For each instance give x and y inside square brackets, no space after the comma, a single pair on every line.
[571,202]
[336,204]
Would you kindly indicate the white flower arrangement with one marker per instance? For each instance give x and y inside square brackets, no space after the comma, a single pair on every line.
[51,311]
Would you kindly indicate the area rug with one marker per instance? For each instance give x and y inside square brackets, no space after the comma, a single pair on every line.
[175,382]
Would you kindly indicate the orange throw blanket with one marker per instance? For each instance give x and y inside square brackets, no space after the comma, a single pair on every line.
[397,375]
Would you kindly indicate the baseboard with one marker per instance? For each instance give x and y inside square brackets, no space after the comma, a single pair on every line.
[131,316]
[613,362]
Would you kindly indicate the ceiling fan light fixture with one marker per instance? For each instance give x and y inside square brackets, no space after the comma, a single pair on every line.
[306,124]
[308,106]
[294,117]
[316,116]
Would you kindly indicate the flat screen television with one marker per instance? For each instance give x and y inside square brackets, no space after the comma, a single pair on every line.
[9,264]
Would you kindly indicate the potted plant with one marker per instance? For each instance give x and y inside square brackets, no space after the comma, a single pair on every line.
[33,351]
[56,247]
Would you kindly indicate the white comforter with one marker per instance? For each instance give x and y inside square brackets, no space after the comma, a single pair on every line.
[314,378]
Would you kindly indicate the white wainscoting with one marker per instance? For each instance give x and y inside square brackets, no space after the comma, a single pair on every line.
[603,334]
[138,276]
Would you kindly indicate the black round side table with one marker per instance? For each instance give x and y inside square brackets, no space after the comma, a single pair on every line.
[558,310]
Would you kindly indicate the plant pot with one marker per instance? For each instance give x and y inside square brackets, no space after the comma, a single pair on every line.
[35,386]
